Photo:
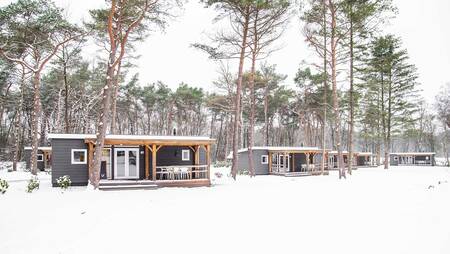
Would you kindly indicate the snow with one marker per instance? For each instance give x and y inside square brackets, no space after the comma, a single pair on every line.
[42,148]
[400,210]
[130,137]
[414,153]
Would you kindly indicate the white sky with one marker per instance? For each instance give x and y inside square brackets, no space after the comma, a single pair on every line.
[168,57]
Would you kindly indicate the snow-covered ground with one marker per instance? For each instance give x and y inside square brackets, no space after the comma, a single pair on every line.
[401,210]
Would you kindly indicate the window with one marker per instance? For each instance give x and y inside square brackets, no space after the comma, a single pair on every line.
[79,156]
[185,155]
[395,158]
[40,157]
[264,159]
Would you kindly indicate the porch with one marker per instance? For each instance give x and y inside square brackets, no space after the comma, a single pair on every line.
[148,162]
[294,163]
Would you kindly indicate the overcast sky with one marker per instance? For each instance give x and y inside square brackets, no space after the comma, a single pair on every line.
[423,26]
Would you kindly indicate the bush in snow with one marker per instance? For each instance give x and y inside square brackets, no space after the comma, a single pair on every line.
[244,172]
[33,184]
[218,174]
[64,182]
[222,164]
[3,186]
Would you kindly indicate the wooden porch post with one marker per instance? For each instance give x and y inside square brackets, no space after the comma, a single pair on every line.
[91,158]
[208,160]
[270,162]
[154,162]
[293,162]
[147,170]
[307,162]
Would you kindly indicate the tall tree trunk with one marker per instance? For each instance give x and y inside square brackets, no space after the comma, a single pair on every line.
[445,145]
[388,134]
[94,176]
[252,97]
[114,100]
[266,114]
[335,97]
[18,121]
[66,93]
[350,127]
[325,86]
[237,103]
[35,121]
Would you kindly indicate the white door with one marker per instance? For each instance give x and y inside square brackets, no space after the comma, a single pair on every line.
[126,163]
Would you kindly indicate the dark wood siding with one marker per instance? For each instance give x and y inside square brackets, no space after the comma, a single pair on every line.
[61,161]
[260,169]
[171,155]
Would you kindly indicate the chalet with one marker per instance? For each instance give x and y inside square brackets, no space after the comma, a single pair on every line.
[44,157]
[132,160]
[280,160]
[365,159]
[412,158]
[360,159]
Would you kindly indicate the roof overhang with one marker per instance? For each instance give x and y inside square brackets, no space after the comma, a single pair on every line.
[42,148]
[139,139]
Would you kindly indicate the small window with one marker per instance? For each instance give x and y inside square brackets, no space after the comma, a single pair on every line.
[40,157]
[185,155]
[264,159]
[79,156]
[395,158]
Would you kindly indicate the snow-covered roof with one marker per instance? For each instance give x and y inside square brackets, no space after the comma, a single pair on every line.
[365,153]
[415,153]
[42,148]
[281,148]
[130,137]
[277,148]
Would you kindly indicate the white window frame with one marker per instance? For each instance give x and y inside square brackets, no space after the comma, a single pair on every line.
[266,157]
[78,150]
[42,157]
[183,155]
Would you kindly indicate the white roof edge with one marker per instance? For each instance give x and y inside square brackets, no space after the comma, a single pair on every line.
[412,153]
[132,137]
[280,148]
[48,148]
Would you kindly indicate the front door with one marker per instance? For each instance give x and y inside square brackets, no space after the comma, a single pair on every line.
[126,163]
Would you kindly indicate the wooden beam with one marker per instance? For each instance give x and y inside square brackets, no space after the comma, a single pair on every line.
[159,147]
[270,162]
[147,166]
[138,142]
[208,160]
[307,161]
[293,162]
[90,157]
[154,162]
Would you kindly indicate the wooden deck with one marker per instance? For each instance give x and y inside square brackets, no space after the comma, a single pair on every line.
[149,184]
[298,174]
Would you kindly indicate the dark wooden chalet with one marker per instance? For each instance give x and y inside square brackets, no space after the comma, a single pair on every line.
[280,160]
[412,158]
[134,159]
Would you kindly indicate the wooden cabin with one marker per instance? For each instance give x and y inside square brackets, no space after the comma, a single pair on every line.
[157,160]
[412,158]
[365,159]
[280,160]
[44,157]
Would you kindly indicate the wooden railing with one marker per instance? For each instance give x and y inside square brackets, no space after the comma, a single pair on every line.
[181,172]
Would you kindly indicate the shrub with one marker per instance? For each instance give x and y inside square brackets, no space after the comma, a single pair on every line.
[64,182]
[218,175]
[33,184]
[243,172]
[3,186]
[222,164]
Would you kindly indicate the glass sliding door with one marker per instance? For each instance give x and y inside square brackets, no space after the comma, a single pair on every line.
[126,164]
